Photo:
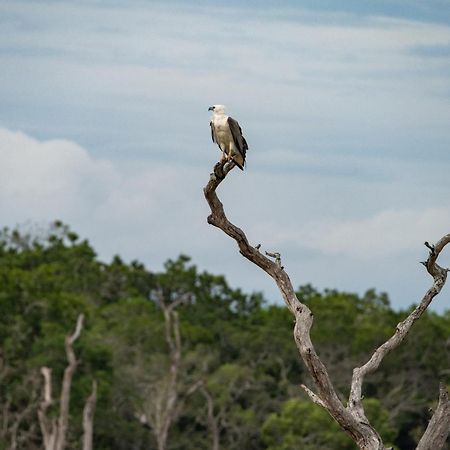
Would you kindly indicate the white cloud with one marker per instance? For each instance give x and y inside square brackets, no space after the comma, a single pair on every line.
[348,131]
[56,175]
[385,234]
[122,76]
[148,52]
[152,212]
[118,205]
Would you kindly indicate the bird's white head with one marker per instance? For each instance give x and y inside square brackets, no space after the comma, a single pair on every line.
[217,109]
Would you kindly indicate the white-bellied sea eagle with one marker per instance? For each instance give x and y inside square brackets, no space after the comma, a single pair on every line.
[227,134]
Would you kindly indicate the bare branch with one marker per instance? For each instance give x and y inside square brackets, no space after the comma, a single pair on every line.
[439,277]
[364,435]
[276,256]
[168,399]
[439,426]
[351,419]
[64,402]
[47,425]
[183,396]
[314,397]
[88,418]
[54,431]
[193,388]
[78,328]
[47,374]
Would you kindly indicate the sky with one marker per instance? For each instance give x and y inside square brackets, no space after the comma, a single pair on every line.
[345,106]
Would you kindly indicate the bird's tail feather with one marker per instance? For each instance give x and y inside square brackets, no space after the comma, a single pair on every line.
[241,166]
[239,160]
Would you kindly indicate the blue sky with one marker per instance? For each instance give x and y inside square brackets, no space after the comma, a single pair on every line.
[345,105]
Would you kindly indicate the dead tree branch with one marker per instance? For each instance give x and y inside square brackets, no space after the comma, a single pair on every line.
[48,424]
[213,421]
[439,275]
[54,430]
[63,418]
[438,428]
[168,396]
[88,418]
[351,418]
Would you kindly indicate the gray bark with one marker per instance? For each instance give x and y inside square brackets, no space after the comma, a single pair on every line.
[351,418]
[438,428]
[88,418]
[54,430]
[64,402]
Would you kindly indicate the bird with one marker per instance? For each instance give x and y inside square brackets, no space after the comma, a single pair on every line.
[227,134]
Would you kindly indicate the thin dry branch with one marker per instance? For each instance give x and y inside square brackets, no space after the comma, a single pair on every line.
[313,396]
[439,277]
[352,418]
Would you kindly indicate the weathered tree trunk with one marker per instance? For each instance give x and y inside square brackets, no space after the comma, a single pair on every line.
[54,430]
[168,399]
[351,418]
[64,403]
[88,418]
[48,425]
[438,428]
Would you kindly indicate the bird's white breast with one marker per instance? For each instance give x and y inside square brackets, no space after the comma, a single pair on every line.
[222,130]
[221,124]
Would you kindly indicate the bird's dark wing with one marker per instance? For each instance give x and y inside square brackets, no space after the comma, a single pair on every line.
[236,131]
[212,131]
[239,140]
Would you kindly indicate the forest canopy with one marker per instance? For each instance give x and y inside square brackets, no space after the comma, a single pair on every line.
[239,370]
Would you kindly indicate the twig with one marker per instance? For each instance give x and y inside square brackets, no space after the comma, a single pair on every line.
[314,397]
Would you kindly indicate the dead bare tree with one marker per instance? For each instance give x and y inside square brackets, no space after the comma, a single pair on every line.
[351,418]
[217,415]
[166,395]
[54,429]
[88,418]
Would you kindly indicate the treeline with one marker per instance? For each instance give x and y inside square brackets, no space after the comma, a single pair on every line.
[181,352]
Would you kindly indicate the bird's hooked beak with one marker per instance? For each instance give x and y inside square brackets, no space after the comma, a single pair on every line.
[211,108]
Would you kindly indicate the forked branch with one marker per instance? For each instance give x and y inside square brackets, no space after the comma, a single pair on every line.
[351,418]
[439,275]
[167,396]
[54,429]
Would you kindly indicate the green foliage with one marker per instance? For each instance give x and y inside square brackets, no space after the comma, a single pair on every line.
[304,425]
[240,347]
[379,418]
